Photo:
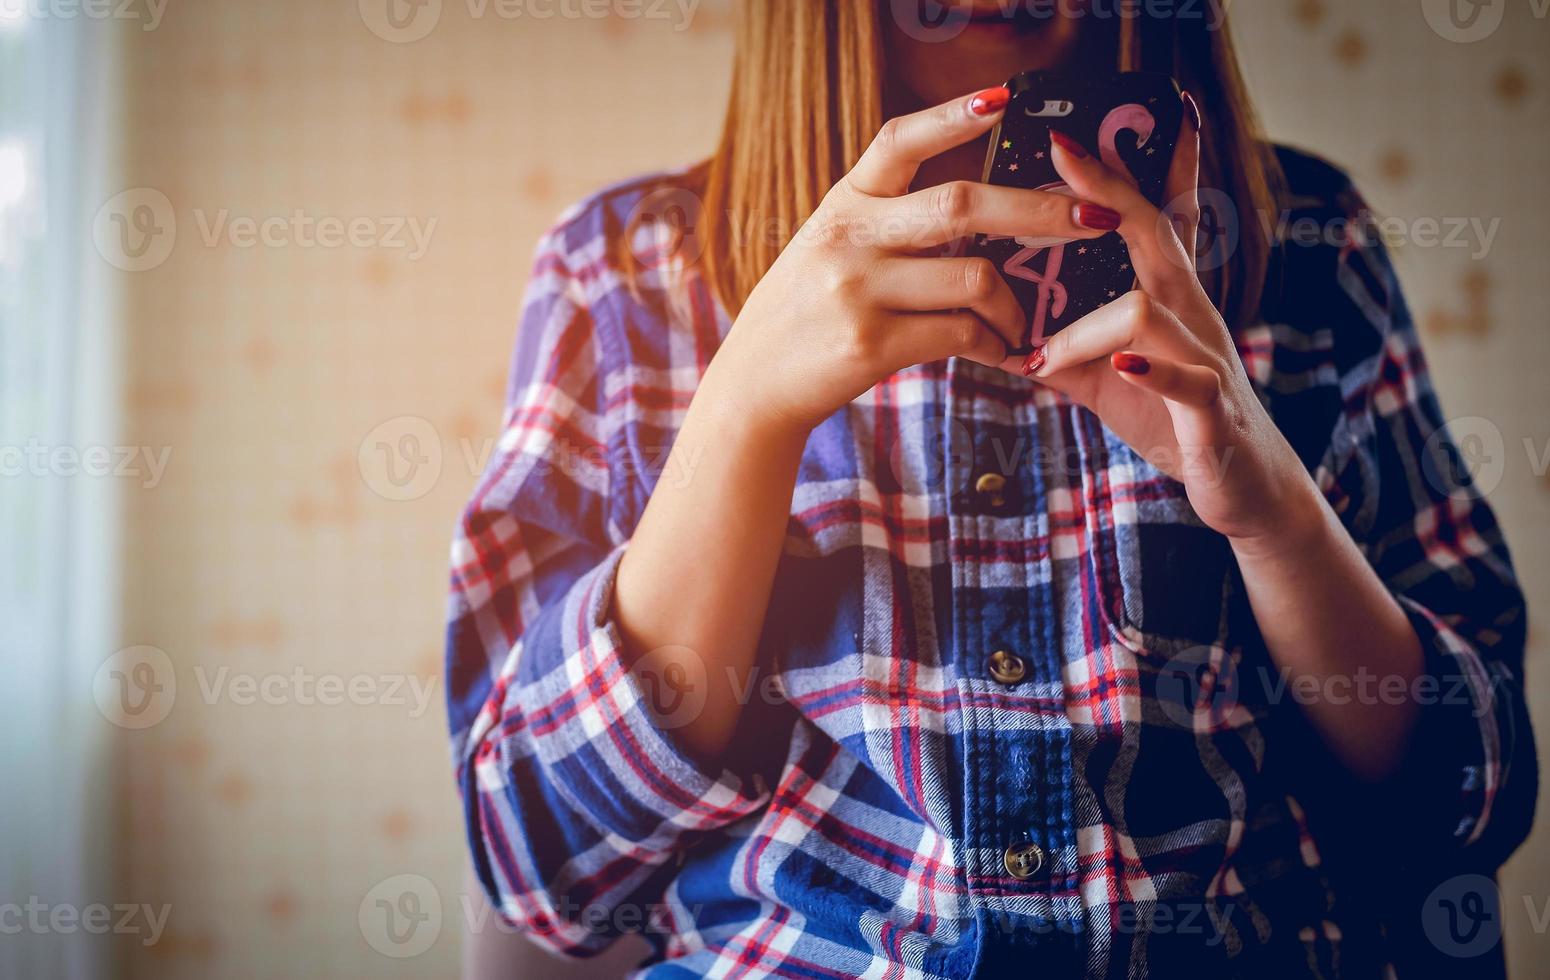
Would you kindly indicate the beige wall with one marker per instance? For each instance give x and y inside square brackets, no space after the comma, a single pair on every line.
[274,543]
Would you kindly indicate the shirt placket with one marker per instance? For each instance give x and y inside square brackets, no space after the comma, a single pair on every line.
[1020,844]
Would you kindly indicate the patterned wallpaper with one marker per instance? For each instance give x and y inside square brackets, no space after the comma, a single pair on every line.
[329,212]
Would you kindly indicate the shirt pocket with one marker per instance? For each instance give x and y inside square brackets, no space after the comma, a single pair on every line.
[1163,579]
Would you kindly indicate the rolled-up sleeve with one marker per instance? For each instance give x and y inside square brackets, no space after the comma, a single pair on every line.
[1408,495]
[576,797]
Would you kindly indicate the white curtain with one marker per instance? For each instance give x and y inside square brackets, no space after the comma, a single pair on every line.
[58,542]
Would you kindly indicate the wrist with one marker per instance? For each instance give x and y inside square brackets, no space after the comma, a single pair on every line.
[1303,521]
[732,405]
[732,399]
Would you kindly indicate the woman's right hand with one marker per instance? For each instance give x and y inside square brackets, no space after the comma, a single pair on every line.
[854,297]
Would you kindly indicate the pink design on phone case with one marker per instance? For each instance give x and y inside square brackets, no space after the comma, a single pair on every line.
[1133,117]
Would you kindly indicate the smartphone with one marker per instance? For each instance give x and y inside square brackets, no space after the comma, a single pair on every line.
[1131,121]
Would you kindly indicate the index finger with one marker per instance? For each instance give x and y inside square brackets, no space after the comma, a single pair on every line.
[1182,191]
[1155,250]
[905,142]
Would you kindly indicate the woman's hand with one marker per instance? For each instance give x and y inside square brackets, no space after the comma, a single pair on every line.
[851,300]
[1159,367]
[854,298]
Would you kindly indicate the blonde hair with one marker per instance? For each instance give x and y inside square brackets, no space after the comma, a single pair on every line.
[807,92]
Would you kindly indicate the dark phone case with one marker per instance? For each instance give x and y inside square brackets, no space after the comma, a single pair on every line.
[1132,118]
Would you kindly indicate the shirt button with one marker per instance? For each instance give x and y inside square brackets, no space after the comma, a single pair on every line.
[1023,859]
[1007,667]
[990,486]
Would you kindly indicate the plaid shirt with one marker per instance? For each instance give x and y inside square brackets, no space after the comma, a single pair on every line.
[1000,642]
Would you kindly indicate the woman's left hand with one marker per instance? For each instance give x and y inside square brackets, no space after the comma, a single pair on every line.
[1159,366]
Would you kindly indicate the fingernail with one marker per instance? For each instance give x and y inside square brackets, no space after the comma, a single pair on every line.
[1034,362]
[1131,363]
[1068,144]
[991,100]
[1097,217]
[1191,111]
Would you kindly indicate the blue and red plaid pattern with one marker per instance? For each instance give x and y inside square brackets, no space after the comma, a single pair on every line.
[1189,823]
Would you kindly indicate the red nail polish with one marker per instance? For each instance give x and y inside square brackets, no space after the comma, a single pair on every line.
[989,101]
[1191,111]
[1131,363]
[1068,144]
[1034,362]
[1097,217]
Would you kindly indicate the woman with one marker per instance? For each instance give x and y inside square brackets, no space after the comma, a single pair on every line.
[1177,646]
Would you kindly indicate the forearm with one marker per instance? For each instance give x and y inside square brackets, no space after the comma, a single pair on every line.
[694,584]
[1333,628]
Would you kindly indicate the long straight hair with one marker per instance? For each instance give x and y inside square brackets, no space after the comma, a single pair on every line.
[807,98]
